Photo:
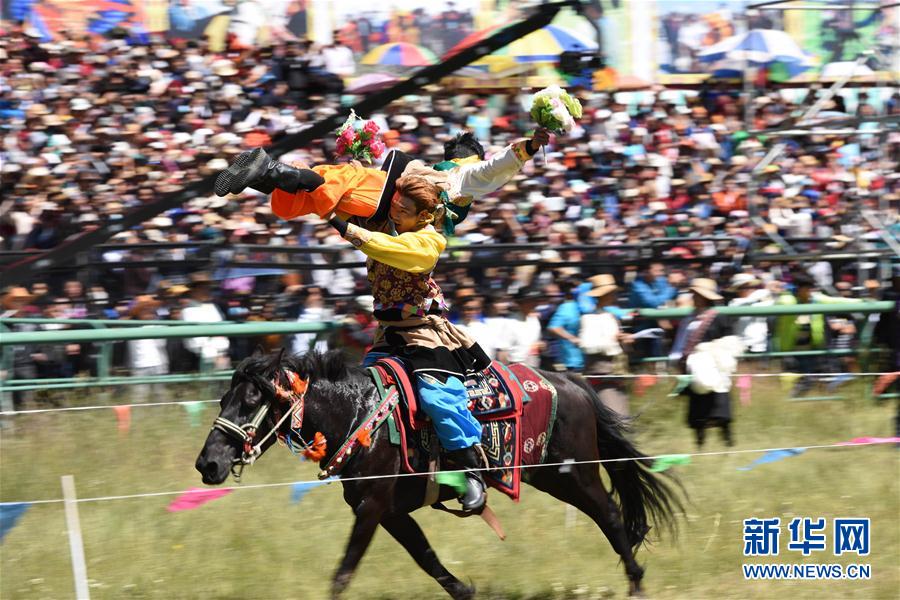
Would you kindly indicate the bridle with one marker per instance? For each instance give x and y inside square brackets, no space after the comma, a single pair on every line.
[274,396]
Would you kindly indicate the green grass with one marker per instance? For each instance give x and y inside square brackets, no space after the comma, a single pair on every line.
[254,543]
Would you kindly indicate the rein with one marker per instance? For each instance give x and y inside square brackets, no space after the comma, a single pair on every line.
[246,433]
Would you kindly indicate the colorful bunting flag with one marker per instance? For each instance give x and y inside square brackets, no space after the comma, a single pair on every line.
[123,415]
[194,411]
[196,497]
[301,488]
[744,383]
[870,440]
[681,384]
[456,480]
[789,380]
[663,463]
[10,513]
[643,382]
[773,456]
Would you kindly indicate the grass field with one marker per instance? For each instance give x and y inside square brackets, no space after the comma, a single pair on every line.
[255,543]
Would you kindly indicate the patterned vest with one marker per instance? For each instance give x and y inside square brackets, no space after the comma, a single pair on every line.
[401,294]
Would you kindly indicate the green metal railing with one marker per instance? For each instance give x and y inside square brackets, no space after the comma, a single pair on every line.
[105,333]
[104,338]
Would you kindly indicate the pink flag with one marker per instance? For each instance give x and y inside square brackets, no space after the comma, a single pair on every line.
[744,383]
[196,497]
[860,441]
[123,414]
[643,382]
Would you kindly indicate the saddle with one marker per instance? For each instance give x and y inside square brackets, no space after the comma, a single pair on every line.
[497,399]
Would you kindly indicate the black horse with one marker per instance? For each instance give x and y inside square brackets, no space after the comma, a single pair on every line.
[339,396]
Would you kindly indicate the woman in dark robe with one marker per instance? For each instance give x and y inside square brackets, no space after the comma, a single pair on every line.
[712,409]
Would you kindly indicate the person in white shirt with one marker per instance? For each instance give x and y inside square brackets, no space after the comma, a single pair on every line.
[472,322]
[600,338]
[527,343]
[212,351]
[500,328]
[146,357]
[753,331]
[339,58]
[313,311]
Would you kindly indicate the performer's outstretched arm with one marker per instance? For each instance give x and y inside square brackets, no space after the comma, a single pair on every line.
[482,178]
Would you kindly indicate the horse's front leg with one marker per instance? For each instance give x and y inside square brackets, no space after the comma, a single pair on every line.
[368,514]
[406,531]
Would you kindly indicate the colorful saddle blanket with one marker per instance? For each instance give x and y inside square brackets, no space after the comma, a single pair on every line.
[497,398]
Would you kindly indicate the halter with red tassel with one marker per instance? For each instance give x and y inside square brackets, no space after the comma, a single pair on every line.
[317,450]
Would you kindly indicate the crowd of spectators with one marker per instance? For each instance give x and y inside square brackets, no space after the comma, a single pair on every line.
[92,129]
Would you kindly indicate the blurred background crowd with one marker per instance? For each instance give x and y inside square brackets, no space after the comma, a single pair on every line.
[93,127]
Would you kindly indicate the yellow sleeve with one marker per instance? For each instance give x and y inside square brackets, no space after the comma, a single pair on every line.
[413,251]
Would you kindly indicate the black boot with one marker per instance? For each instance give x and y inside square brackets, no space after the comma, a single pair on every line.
[470,458]
[257,170]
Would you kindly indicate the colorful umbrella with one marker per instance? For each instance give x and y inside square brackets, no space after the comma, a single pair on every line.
[371,82]
[758,47]
[543,45]
[399,54]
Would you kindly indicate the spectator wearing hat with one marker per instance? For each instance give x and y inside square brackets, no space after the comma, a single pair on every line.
[601,340]
[706,407]
[16,302]
[146,357]
[753,331]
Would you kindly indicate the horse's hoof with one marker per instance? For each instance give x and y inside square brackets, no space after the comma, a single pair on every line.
[464,592]
[635,592]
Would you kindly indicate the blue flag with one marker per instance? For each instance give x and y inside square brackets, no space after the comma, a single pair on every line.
[772,456]
[300,489]
[10,513]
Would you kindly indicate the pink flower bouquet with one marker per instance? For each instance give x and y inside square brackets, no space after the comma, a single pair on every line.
[358,138]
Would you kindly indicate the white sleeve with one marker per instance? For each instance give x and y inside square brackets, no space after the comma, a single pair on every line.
[481,178]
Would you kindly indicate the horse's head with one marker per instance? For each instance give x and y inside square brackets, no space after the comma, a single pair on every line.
[264,394]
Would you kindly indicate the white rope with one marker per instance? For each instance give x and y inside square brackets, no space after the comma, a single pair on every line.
[777,374]
[11,413]
[565,463]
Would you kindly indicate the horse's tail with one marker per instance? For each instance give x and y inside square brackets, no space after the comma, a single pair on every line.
[644,496]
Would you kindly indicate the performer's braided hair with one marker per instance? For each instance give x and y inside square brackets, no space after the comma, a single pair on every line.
[463,146]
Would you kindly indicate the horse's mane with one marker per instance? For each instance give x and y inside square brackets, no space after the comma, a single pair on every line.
[331,366]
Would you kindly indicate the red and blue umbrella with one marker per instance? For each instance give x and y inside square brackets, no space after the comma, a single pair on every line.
[399,54]
[543,45]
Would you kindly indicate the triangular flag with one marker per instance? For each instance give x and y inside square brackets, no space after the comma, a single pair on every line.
[788,380]
[10,513]
[456,480]
[301,488]
[744,383]
[643,382]
[681,384]
[772,456]
[196,497]
[670,460]
[123,415]
[860,441]
[194,411]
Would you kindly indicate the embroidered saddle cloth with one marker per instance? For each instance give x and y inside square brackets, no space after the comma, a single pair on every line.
[498,398]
